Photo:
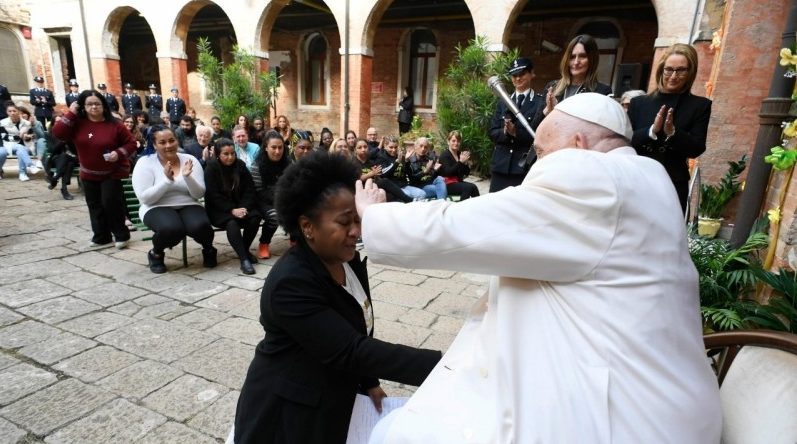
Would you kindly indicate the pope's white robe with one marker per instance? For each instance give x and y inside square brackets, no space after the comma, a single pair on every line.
[591,332]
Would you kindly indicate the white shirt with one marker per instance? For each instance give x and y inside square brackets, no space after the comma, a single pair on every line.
[153,189]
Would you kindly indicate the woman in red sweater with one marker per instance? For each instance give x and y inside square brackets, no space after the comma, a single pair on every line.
[104,146]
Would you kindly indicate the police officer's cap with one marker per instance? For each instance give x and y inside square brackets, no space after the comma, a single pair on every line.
[128,85]
[152,86]
[38,79]
[174,89]
[519,65]
[73,82]
[101,86]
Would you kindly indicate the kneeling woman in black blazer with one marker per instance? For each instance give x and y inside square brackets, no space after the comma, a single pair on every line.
[231,201]
[319,350]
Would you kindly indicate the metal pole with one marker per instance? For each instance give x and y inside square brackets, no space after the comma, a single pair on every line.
[774,110]
[346,71]
[86,43]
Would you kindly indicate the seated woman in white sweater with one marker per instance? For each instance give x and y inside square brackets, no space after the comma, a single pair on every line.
[169,185]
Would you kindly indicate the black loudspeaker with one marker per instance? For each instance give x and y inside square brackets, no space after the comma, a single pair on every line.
[628,77]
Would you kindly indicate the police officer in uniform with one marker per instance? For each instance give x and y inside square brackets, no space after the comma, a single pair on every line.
[154,102]
[176,106]
[43,101]
[73,93]
[131,102]
[110,99]
[512,141]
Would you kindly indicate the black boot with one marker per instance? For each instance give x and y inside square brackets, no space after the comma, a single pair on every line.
[53,181]
[209,257]
[65,193]
[246,266]
[156,264]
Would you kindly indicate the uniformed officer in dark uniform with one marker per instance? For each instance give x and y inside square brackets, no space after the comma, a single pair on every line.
[176,106]
[512,141]
[43,101]
[5,96]
[131,102]
[110,99]
[154,102]
[73,93]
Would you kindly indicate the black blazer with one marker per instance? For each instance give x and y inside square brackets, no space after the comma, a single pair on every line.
[218,205]
[509,150]
[692,114]
[450,167]
[316,356]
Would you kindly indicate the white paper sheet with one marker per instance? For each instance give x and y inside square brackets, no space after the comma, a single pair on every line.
[364,417]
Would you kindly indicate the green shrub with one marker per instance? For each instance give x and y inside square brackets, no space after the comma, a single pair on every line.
[714,198]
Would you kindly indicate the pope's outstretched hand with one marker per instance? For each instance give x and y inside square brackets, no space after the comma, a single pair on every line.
[366,195]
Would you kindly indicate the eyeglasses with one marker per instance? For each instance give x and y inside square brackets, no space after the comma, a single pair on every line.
[680,72]
[90,104]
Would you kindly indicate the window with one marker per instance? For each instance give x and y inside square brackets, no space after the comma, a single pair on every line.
[423,67]
[315,65]
[13,72]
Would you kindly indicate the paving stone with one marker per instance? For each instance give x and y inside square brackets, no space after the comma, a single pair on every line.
[440,285]
[125,309]
[117,421]
[43,269]
[404,295]
[194,291]
[57,348]
[438,341]
[29,292]
[158,340]
[35,255]
[7,361]
[79,280]
[163,282]
[388,311]
[110,294]
[202,319]
[96,363]
[454,305]
[59,404]
[249,310]
[180,310]
[242,330]
[246,282]
[184,397]
[158,310]
[9,433]
[8,317]
[217,419]
[448,324]
[140,379]
[399,277]
[94,324]
[25,333]
[25,244]
[223,361]
[442,274]
[22,379]
[418,317]
[401,333]
[59,309]
[151,299]
[174,433]
[227,300]
[213,275]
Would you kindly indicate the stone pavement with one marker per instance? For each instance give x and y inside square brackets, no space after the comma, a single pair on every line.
[96,349]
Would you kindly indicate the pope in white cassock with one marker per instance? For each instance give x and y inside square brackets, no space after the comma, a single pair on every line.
[591,330]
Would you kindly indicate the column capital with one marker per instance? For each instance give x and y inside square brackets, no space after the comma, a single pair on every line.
[358,50]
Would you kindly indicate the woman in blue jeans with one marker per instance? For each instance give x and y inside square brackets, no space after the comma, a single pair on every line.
[14,131]
[423,166]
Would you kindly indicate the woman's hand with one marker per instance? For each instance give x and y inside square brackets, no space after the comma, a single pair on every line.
[377,395]
[167,170]
[240,213]
[207,152]
[375,171]
[664,120]
[464,156]
[187,168]
[669,123]
[550,101]
[113,156]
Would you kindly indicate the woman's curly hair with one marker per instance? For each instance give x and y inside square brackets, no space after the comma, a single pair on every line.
[305,187]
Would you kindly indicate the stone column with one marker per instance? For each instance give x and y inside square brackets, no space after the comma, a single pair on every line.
[107,70]
[173,72]
[360,76]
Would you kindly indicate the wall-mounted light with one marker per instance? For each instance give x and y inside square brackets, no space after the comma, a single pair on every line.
[549,46]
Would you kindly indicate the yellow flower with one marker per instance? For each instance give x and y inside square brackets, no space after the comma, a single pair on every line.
[791,129]
[774,215]
[716,40]
[787,58]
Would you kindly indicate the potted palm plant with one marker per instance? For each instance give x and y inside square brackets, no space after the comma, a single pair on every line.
[714,198]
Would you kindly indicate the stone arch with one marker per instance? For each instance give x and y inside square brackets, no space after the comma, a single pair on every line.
[112,28]
[266,23]
[18,77]
[184,19]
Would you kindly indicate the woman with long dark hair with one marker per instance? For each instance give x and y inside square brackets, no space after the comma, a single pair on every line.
[104,146]
[231,201]
[406,109]
[266,170]
[670,123]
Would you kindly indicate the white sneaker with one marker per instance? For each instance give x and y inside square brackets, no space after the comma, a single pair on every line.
[33,170]
[38,164]
[97,245]
[120,245]
[23,177]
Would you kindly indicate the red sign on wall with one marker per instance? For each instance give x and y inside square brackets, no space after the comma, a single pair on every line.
[377,87]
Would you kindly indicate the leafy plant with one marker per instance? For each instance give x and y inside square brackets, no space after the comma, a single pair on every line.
[465,102]
[780,312]
[714,198]
[239,87]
